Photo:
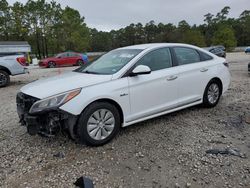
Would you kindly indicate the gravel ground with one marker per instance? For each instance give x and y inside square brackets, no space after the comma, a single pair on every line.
[169,151]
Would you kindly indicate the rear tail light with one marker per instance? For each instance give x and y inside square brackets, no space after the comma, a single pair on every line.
[21,60]
[226,64]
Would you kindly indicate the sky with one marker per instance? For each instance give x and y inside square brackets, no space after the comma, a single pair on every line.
[106,15]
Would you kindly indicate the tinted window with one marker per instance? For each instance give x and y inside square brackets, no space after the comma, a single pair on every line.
[72,55]
[157,59]
[186,55]
[205,57]
[62,55]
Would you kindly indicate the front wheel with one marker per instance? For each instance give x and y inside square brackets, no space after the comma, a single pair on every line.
[212,94]
[4,78]
[98,124]
[51,64]
[79,62]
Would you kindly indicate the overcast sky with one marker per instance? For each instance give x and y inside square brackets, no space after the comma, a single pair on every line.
[114,14]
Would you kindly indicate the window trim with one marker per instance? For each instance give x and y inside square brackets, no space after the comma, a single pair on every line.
[173,61]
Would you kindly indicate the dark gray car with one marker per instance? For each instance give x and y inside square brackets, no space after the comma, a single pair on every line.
[217,50]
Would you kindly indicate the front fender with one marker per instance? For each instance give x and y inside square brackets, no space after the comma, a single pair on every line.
[115,90]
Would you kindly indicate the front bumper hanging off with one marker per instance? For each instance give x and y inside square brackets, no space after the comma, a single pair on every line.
[47,123]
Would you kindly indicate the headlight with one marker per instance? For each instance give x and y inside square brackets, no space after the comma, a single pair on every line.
[54,101]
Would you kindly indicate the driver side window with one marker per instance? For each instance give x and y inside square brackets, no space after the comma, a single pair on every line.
[157,59]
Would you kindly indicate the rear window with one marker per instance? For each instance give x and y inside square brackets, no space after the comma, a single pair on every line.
[205,56]
[186,55]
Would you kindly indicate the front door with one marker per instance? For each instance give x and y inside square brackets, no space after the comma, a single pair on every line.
[155,92]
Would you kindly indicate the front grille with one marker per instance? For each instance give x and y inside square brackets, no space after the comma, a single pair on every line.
[24,102]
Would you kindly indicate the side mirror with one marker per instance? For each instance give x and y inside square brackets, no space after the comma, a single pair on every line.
[59,57]
[140,69]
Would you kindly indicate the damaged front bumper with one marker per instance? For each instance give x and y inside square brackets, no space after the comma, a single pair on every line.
[47,123]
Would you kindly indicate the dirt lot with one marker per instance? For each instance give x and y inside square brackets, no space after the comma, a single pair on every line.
[169,151]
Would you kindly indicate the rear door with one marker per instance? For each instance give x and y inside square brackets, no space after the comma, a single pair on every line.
[73,57]
[155,92]
[193,74]
[63,59]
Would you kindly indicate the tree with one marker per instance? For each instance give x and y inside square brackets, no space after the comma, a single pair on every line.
[19,22]
[225,36]
[50,29]
[194,37]
[74,32]
[140,36]
[100,41]
[4,20]
[242,28]
[222,15]
[208,18]
[150,31]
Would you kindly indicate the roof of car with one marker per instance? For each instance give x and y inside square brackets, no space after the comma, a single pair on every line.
[154,45]
[14,43]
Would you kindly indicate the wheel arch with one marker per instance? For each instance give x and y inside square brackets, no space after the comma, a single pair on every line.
[5,69]
[218,80]
[111,101]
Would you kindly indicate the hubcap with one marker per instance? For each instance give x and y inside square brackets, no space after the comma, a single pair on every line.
[80,63]
[101,124]
[51,64]
[3,79]
[213,93]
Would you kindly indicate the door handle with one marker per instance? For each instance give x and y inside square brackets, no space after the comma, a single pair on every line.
[204,70]
[170,78]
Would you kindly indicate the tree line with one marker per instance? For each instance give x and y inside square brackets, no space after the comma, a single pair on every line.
[51,29]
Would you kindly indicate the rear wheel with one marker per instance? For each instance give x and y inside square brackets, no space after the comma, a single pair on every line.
[51,64]
[212,94]
[4,78]
[80,62]
[98,124]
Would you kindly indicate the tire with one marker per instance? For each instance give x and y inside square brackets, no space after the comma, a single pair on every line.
[4,78]
[212,94]
[80,62]
[88,124]
[51,64]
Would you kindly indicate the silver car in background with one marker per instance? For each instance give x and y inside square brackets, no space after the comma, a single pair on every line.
[12,60]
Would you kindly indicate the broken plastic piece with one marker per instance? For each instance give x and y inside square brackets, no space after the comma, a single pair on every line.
[84,182]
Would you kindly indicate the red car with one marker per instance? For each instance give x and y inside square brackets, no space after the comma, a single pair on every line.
[62,59]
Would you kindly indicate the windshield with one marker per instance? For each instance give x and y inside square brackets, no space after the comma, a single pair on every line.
[58,55]
[111,62]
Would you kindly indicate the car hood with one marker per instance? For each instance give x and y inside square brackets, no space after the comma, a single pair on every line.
[47,87]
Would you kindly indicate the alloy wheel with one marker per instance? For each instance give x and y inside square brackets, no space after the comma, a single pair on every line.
[101,124]
[52,65]
[213,93]
[3,79]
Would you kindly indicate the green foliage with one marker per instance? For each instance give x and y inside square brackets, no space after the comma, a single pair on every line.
[45,25]
[225,36]
[100,41]
[50,29]
[74,32]
[194,37]
[242,29]
[4,20]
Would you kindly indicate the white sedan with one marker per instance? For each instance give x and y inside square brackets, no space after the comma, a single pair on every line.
[123,87]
